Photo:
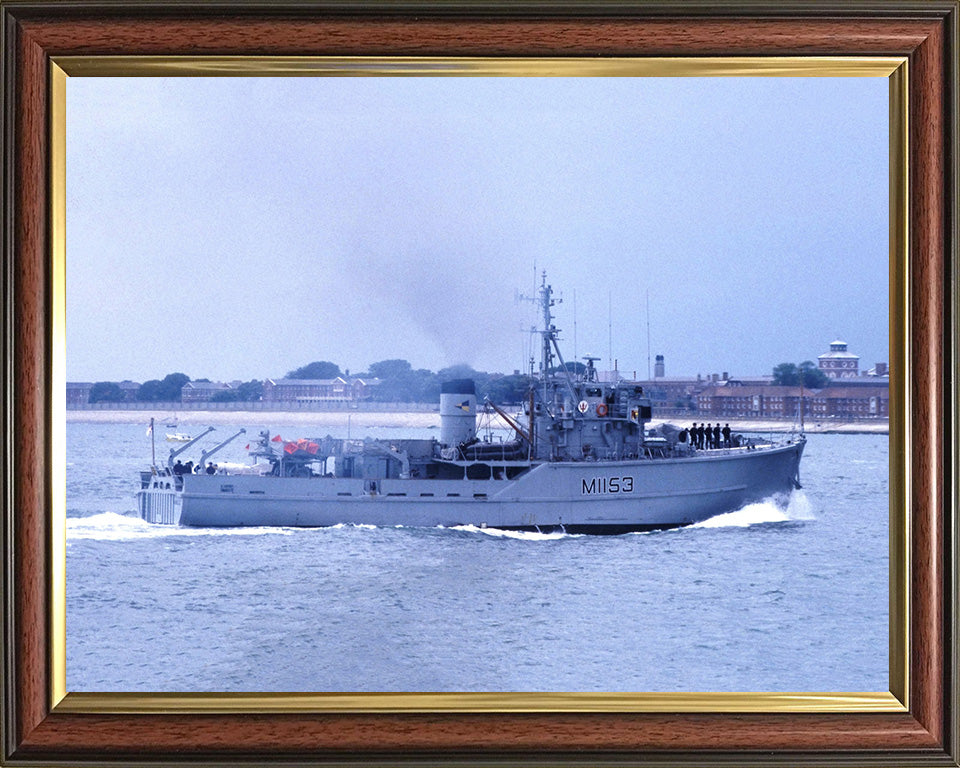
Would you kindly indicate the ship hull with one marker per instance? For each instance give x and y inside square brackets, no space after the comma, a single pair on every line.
[587,497]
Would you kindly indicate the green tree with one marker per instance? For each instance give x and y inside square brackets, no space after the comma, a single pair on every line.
[459,371]
[508,390]
[166,391]
[791,375]
[390,369]
[813,377]
[149,391]
[171,385]
[106,392]
[321,369]
[575,368]
[246,392]
[426,385]
[786,375]
[399,382]
[250,390]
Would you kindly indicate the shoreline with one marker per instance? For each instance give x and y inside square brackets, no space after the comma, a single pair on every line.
[415,420]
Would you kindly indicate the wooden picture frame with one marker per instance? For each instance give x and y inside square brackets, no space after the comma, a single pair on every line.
[39,727]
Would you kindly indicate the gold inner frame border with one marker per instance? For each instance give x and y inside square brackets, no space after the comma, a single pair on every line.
[895,69]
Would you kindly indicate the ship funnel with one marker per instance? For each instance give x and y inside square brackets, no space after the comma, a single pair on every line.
[458,411]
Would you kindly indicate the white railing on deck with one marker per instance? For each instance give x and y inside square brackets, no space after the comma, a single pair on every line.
[157,505]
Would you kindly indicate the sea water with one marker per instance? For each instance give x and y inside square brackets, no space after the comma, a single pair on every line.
[761,599]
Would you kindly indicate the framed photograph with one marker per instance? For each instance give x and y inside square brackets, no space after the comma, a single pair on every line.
[173,201]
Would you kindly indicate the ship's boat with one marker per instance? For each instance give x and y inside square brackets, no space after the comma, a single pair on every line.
[582,459]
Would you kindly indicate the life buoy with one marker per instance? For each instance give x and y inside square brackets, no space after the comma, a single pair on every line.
[601,409]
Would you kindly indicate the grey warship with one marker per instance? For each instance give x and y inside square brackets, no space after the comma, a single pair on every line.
[581,459]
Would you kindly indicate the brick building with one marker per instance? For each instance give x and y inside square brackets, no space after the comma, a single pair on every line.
[339,389]
[838,363]
[852,402]
[776,402]
[751,401]
[78,392]
[201,391]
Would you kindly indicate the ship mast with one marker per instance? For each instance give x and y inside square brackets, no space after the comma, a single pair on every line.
[548,332]
[549,343]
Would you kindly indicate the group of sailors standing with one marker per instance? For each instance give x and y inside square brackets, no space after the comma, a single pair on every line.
[190,469]
[707,436]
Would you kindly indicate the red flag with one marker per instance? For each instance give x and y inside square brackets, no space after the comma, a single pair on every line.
[276,439]
[248,447]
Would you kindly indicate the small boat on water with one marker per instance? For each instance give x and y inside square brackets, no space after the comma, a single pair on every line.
[178,437]
[581,458]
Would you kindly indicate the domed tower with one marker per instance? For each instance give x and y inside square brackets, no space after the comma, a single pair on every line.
[838,363]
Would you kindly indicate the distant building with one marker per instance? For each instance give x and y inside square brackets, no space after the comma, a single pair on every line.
[130,389]
[778,402]
[78,392]
[305,391]
[838,363]
[676,392]
[750,381]
[764,401]
[201,391]
[861,402]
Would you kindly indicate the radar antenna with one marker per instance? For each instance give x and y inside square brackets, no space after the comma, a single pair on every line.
[544,299]
[590,374]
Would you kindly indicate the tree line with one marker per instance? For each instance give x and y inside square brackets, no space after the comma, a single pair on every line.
[399,381]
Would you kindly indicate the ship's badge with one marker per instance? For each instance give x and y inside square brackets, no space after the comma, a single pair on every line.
[582,406]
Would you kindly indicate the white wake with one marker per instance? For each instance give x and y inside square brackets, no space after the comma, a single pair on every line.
[110,526]
[502,533]
[768,511]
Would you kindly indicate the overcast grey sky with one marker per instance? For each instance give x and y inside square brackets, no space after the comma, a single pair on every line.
[237,228]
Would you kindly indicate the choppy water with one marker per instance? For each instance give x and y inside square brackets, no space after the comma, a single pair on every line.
[763,598]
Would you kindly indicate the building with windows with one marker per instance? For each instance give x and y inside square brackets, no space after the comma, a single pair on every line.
[764,401]
[201,391]
[305,391]
[777,402]
[839,363]
[851,402]
[78,393]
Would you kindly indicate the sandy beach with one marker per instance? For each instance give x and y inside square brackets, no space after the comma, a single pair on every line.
[413,420]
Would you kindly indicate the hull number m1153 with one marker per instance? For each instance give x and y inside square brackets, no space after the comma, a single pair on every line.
[606,485]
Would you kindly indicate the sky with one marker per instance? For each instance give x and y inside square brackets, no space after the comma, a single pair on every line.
[238,228]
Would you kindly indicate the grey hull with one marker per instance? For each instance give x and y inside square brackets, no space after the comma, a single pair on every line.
[590,497]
